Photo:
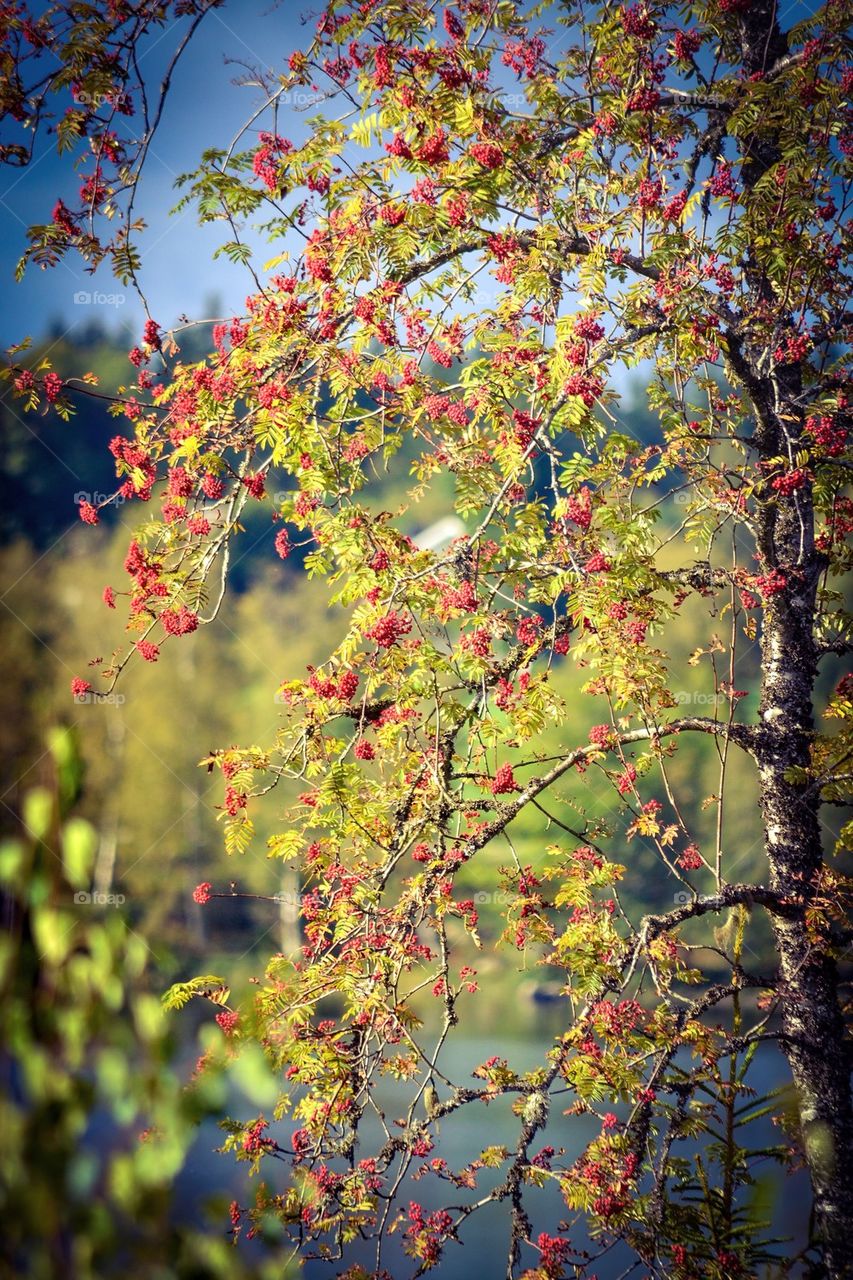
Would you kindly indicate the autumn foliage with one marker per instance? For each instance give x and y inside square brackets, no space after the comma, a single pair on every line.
[497,210]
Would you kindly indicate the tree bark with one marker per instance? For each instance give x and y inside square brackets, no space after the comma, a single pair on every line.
[815,1042]
[815,1035]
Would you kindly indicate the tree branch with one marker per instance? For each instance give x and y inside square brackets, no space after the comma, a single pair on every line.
[731,895]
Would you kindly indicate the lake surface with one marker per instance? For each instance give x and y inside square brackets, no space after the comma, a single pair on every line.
[462,1137]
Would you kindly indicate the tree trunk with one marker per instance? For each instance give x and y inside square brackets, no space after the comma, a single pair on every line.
[814,1042]
[815,1039]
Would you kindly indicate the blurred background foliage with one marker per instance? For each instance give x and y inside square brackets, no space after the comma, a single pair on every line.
[154,807]
[96,1118]
[110,800]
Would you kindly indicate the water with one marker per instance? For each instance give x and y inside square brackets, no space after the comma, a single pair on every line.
[463,1135]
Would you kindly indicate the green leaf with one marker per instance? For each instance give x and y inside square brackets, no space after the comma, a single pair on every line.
[180,993]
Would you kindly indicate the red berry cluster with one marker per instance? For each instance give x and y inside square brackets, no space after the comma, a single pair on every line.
[389,629]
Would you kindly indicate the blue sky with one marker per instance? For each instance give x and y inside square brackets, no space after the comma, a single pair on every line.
[205,107]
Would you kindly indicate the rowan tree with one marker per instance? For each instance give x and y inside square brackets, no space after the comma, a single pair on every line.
[498,209]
